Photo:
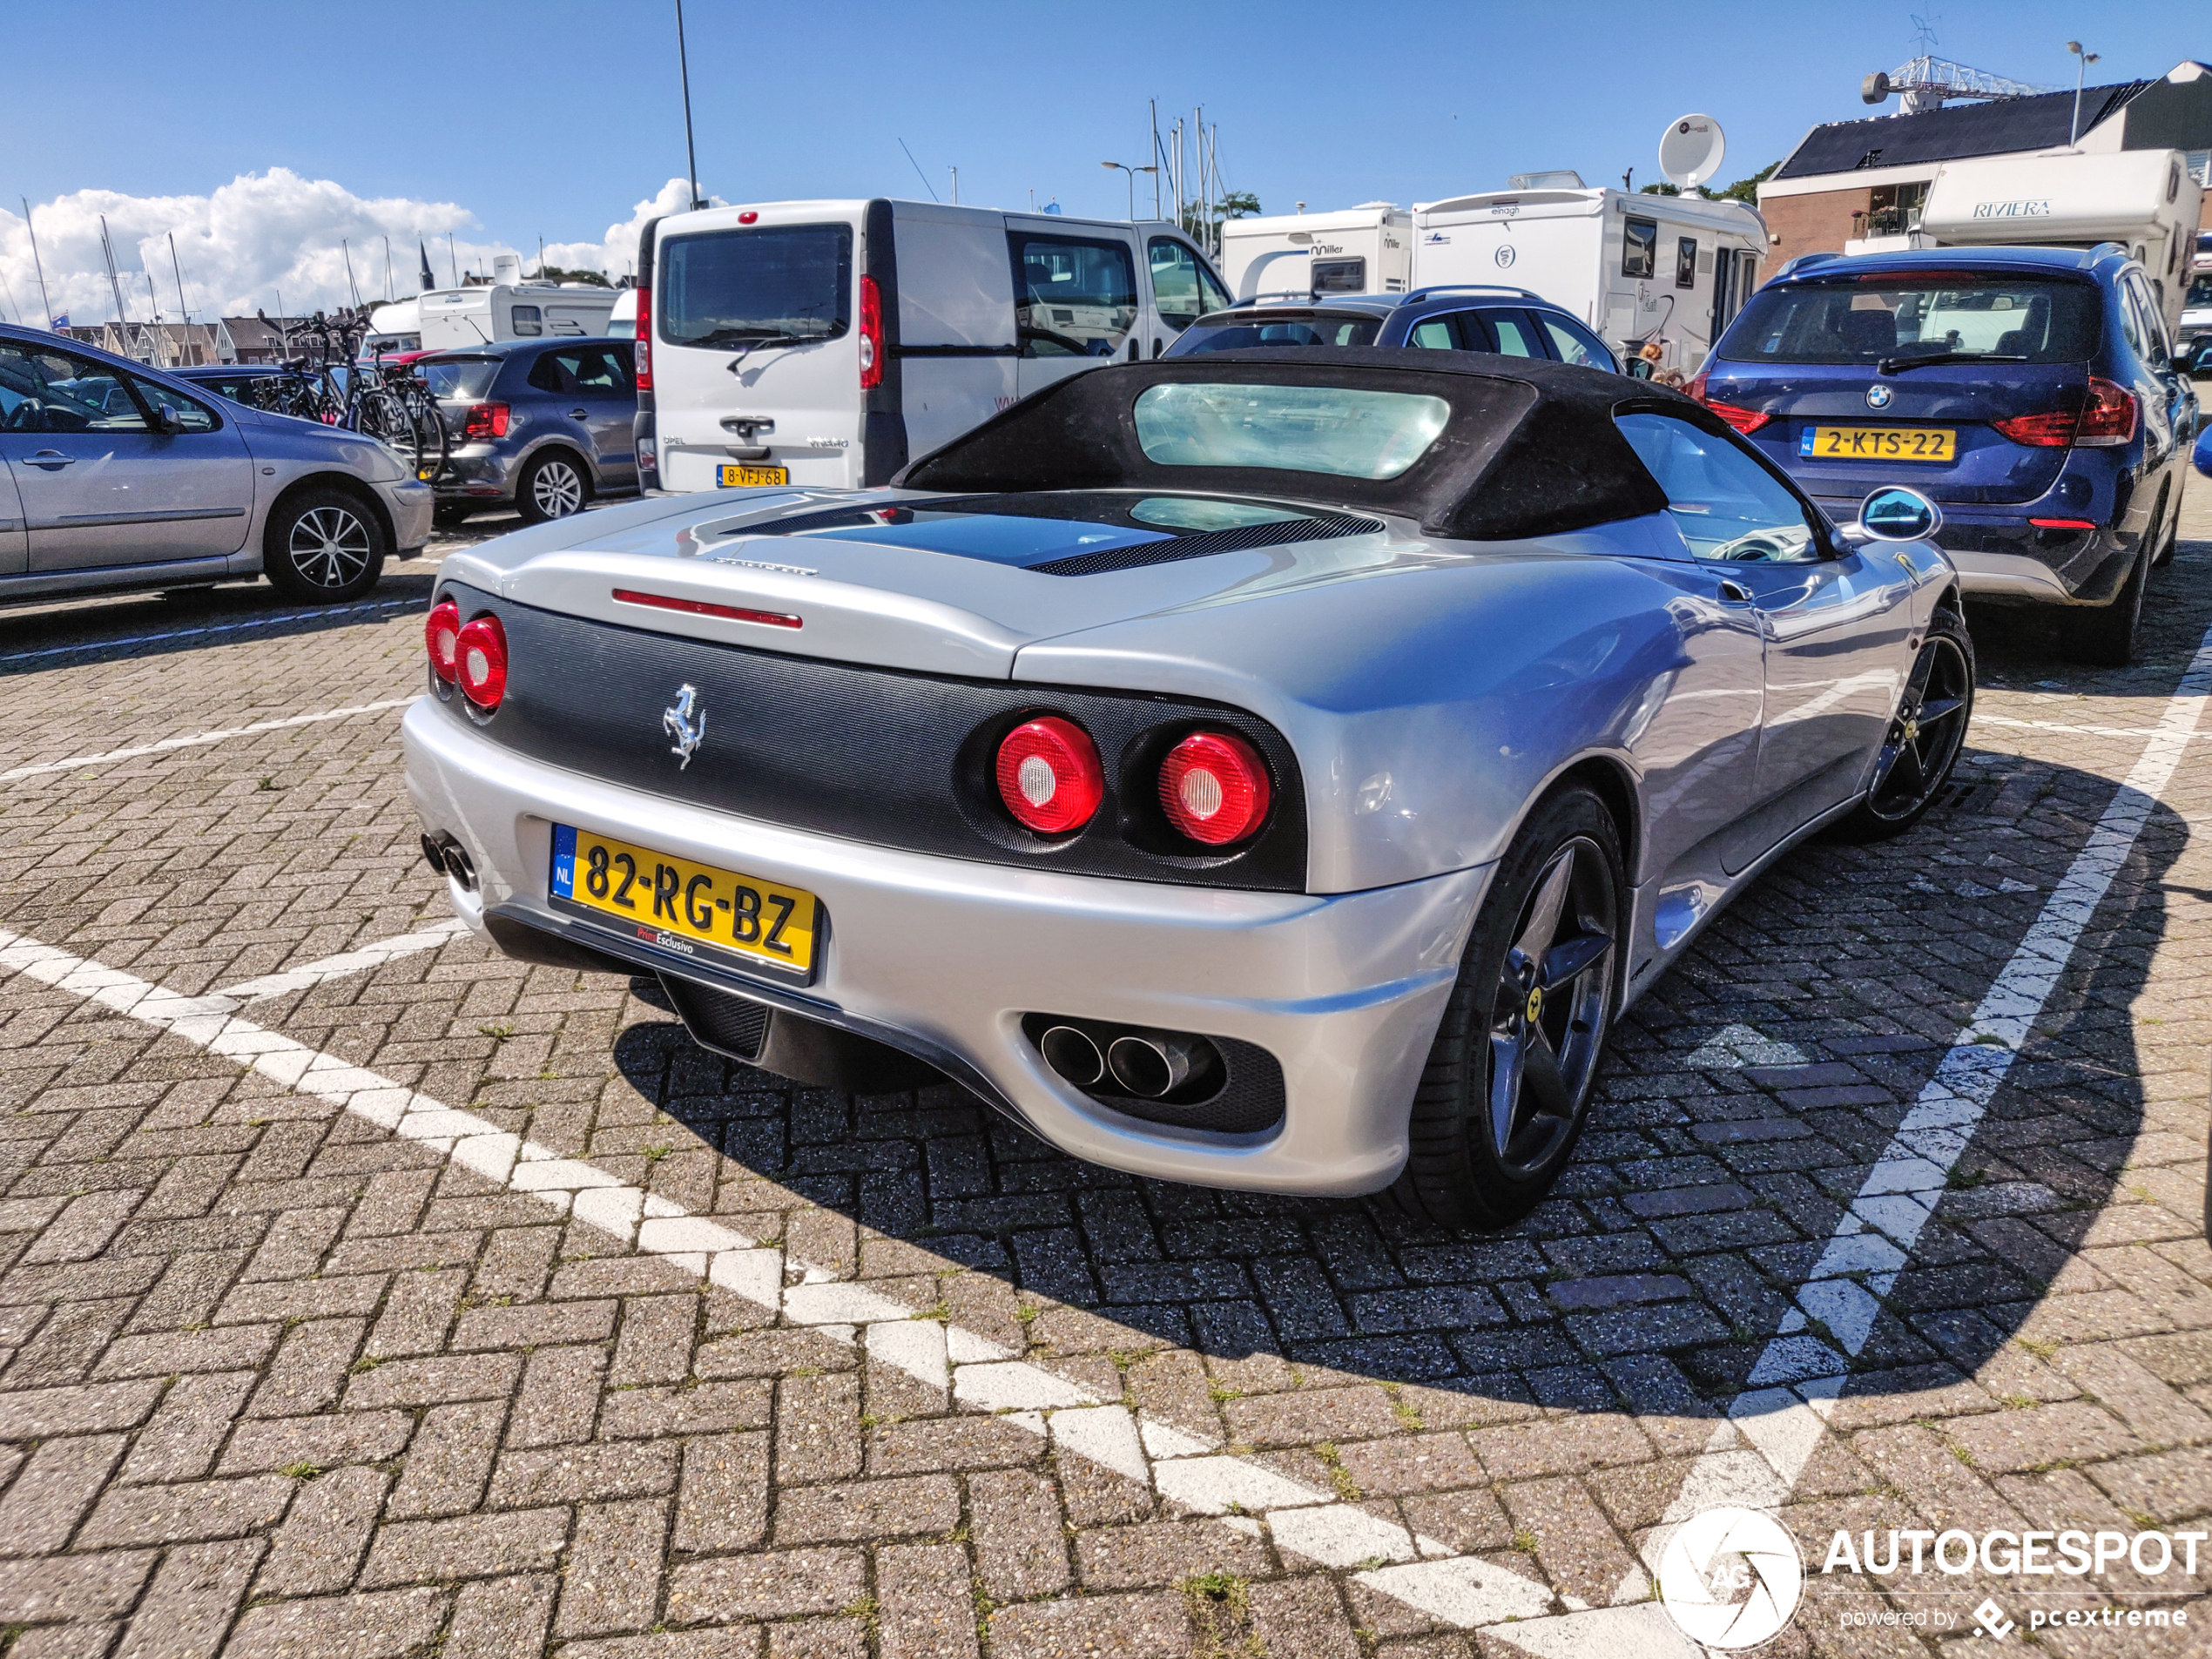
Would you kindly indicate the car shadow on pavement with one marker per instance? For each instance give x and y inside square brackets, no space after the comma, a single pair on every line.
[1745,1100]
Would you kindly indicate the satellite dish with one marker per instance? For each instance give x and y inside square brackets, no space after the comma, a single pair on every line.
[1691,150]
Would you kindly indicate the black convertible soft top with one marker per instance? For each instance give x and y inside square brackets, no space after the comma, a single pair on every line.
[1530,448]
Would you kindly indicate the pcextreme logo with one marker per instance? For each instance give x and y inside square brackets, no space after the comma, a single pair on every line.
[1730,1578]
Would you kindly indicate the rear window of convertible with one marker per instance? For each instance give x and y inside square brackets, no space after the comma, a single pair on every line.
[1290,428]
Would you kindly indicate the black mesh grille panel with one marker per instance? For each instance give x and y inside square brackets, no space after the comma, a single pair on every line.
[727,1024]
[867,754]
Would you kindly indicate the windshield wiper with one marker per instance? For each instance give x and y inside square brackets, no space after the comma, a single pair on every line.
[1896,365]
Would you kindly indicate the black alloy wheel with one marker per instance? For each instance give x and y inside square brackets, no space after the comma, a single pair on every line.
[1924,736]
[323,547]
[1508,1081]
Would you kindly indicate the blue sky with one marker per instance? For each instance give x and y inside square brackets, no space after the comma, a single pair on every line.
[554,120]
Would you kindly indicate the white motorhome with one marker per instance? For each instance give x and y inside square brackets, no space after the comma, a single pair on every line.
[2145,200]
[1673,269]
[1367,249]
[394,327]
[622,322]
[507,307]
[829,342]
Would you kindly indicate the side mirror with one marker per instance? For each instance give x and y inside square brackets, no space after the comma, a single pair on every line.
[1896,514]
[164,419]
[2203,454]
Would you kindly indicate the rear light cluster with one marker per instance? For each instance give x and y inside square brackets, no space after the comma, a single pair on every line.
[1744,420]
[2105,418]
[642,352]
[483,422]
[470,655]
[871,334]
[1212,787]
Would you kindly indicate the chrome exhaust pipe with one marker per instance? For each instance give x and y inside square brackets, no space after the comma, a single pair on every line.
[1073,1055]
[1150,1063]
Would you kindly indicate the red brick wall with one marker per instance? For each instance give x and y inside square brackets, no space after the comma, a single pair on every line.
[1819,223]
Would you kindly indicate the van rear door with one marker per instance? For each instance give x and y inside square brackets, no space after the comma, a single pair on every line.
[756,348]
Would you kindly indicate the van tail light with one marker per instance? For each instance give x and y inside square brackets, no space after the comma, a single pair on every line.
[871,334]
[441,638]
[480,660]
[484,422]
[1214,788]
[2108,418]
[1049,775]
[642,357]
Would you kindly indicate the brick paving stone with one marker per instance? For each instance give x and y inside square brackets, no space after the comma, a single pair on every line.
[319,1545]
[774,1584]
[449,1461]
[1134,1626]
[327,1442]
[722,1503]
[186,1512]
[340,1627]
[75,1587]
[58,1484]
[1161,1553]
[559,1398]
[926,1609]
[613,1578]
[501,1618]
[179,1442]
[476,1546]
[1020,1551]
[856,1511]
[431,1382]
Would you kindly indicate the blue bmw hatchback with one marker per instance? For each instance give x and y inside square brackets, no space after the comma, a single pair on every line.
[2031,392]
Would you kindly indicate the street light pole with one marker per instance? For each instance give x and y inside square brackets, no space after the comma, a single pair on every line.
[2081,62]
[1132,172]
[684,68]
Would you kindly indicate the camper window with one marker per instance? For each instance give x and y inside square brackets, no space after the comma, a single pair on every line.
[529,321]
[1183,289]
[1072,299]
[2033,319]
[1338,276]
[770,285]
[1685,262]
[1640,247]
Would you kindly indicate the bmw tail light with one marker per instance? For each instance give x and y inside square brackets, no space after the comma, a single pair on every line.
[2108,418]
[442,637]
[484,422]
[871,334]
[642,357]
[1745,420]
[2051,430]
[1049,775]
[1214,788]
[480,661]
[1694,387]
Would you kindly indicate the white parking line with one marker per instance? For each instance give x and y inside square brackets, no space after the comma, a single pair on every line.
[967,1369]
[373,955]
[277,620]
[197,739]
[2084,730]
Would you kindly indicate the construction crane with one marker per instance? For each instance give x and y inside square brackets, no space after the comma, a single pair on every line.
[1926,83]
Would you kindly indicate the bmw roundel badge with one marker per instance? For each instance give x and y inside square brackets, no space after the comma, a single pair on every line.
[1878,396]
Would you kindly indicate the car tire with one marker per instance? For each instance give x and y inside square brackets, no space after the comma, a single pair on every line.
[1488,1135]
[2108,635]
[1924,739]
[554,485]
[323,546]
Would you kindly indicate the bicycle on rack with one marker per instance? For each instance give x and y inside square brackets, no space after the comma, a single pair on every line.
[328,383]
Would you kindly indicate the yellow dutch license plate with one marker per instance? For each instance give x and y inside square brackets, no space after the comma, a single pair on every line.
[1880,443]
[685,906]
[735,477]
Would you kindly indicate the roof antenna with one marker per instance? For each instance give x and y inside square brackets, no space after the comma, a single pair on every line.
[924,177]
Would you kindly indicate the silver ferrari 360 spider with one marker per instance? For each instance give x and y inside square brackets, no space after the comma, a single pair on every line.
[1271,771]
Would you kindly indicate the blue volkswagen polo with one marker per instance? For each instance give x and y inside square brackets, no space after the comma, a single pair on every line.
[2031,391]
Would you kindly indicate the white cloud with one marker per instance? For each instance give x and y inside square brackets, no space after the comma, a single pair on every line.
[260,237]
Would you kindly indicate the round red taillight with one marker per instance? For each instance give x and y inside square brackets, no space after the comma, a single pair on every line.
[480,659]
[1049,775]
[440,637]
[1213,787]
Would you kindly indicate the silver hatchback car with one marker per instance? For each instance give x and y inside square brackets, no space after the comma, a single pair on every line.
[541,426]
[115,477]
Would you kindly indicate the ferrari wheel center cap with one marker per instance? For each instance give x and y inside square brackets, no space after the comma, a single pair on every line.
[1535,1003]
[1911,730]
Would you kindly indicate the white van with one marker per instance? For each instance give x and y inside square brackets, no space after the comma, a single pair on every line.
[830,342]
[509,308]
[621,323]
[1367,249]
[1676,269]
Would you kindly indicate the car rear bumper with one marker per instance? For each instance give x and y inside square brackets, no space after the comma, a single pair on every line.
[2002,557]
[943,958]
[478,472]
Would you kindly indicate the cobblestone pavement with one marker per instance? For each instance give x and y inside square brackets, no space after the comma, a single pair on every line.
[411,1300]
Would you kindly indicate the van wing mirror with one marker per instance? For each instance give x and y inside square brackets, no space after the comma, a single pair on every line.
[1894,513]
